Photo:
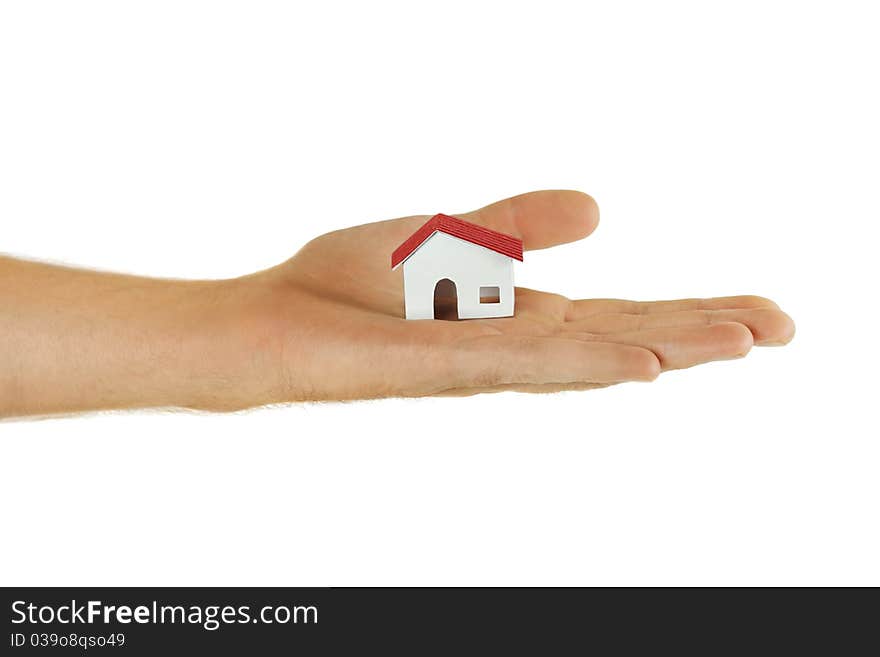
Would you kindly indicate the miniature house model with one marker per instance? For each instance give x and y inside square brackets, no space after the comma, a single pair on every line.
[449,259]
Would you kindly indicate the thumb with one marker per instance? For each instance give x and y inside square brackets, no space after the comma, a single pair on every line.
[541,219]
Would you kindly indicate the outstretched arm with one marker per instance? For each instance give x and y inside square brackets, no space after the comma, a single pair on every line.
[328,325]
[74,340]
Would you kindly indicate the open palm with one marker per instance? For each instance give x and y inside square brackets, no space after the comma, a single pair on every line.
[343,335]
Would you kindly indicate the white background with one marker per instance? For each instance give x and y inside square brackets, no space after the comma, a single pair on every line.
[732,147]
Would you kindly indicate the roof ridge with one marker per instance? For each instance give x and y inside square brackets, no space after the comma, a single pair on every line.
[483,236]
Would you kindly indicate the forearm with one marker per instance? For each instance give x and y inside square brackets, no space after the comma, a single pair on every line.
[73,340]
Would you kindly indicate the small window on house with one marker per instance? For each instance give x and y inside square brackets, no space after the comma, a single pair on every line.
[491,294]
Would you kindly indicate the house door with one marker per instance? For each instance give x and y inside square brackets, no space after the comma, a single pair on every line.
[445,300]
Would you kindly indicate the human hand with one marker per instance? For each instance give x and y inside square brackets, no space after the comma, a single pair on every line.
[328,325]
[333,318]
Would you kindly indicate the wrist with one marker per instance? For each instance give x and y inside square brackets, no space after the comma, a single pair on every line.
[230,349]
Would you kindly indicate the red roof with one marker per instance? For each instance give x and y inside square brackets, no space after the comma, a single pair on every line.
[491,239]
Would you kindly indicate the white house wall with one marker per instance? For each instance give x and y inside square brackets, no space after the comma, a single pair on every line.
[467,265]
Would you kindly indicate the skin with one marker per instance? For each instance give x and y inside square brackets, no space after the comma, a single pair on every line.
[328,325]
